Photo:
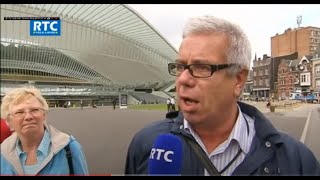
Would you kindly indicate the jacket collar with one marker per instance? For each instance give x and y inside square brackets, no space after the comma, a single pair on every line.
[264,129]
[58,141]
[259,153]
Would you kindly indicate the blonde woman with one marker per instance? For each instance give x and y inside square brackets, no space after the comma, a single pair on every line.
[35,147]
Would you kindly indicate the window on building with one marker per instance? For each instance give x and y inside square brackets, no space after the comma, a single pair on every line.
[282,81]
[305,67]
[254,73]
[290,80]
[260,72]
[318,69]
[260,82]
[267,82]
[317,83]
[296,79]
[279,80]
[254,83]
[303,78]
[266,71]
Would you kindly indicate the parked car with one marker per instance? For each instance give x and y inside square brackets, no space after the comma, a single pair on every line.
[311,98]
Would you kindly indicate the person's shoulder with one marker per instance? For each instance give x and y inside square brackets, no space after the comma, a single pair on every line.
[295,146]
[162,125]
[73,140]
[288,140]
[148,133]
[74,144]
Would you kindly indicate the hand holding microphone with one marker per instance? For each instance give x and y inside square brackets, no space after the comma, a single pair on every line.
[166,156]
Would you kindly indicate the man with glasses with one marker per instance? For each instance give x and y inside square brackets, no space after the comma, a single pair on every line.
[237,139]
[35,147]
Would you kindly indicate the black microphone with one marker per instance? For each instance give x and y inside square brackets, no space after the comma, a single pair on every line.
[166,156]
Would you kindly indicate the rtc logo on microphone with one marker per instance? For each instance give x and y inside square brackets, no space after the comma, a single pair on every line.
[159,154]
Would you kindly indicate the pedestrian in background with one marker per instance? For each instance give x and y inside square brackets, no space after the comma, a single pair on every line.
[168,105]
[114,102]
[173,104]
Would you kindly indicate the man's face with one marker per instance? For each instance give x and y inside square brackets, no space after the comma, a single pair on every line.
[27,117]
[201,99]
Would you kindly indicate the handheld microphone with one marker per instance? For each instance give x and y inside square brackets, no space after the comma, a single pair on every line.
[166,156]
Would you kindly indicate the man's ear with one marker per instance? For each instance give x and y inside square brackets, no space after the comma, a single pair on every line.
[241,79]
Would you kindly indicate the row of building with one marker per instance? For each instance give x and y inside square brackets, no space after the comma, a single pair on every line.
[293,67]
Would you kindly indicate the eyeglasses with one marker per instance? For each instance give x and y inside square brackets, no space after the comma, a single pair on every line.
[196,70]
[22,113]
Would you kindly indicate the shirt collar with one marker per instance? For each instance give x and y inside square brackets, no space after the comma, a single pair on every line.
[43,147]
[45,144]
[239,132]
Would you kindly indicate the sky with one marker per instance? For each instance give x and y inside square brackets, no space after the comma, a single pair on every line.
[259,22]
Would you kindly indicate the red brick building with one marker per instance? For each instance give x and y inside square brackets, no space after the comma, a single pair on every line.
[303,40]
[294,76]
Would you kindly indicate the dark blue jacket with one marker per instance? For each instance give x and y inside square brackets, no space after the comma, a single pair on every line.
[271,153]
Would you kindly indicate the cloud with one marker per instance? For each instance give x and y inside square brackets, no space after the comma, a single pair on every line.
[260,22]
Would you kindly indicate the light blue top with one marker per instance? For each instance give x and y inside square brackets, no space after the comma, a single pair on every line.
[42,154]
[51,156]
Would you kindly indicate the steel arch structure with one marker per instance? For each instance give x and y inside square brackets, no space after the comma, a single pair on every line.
[106,44]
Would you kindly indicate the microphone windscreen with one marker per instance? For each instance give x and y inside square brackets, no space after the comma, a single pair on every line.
[166,156]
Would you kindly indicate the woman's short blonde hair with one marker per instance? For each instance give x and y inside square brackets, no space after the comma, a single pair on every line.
[18,95]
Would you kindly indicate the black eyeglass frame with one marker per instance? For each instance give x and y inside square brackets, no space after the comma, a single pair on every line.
[213,67]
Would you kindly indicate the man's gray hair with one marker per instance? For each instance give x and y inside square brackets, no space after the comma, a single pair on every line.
[239,51]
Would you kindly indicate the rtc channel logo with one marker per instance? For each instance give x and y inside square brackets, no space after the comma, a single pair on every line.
[45,28]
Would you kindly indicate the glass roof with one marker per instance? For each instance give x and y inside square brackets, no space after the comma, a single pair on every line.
[117,19]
